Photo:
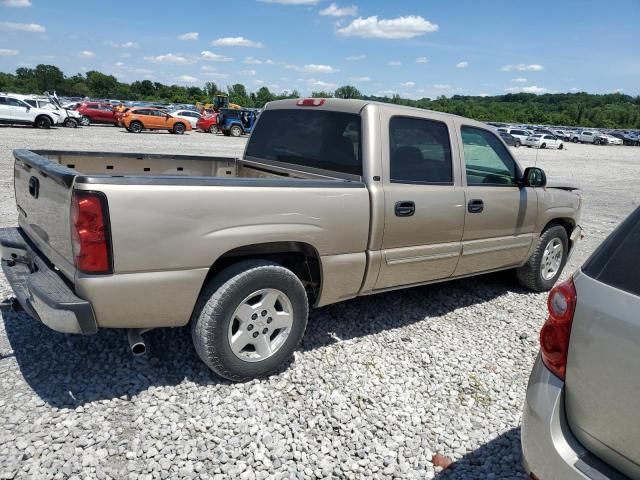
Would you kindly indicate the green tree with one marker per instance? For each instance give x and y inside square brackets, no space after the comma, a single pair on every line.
[211,89]
[263,96]
[347,91]
[320,94]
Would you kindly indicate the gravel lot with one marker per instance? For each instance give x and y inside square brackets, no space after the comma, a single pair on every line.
[379,386]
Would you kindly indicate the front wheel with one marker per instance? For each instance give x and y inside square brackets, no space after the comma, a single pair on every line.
[250,319]
[71,123]
[517,144]
[544,267]
[179,128]
[43,122]
[85,121]
[135,127]
[561,146]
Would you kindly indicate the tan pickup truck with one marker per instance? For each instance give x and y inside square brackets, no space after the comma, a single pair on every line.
[332,199]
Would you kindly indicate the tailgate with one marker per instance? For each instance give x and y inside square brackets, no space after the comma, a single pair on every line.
[43,190]
[603,368]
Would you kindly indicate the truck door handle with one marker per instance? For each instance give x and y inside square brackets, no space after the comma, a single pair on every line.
[475,206]
[405,209]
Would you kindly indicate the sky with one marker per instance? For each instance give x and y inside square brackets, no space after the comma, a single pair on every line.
[416,48]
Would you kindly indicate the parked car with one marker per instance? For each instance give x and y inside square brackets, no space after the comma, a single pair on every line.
[138,119]
[607,139]
[510,139]
[67,117]
[236,122]
[118,116]
[544,141]
[189,115]
[93,112]
[585,136]
[580,415]
[520,134]
[14,111]
[164,240]
[563,135]
[208,123]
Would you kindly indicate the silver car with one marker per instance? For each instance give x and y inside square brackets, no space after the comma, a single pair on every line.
[581,415]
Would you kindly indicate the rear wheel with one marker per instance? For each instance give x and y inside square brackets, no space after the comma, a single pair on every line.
[85,121]
[135,127]
[561,146]
[179,128]
[43,122]
[213,129]
[236,131]
[517,144]
[250,319]
[544,267]
[544,145]
[575,140]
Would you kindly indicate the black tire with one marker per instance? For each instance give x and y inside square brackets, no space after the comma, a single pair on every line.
[530,275]
[235,131]
[71,123]
[85,121]
[517,144]
[217,303]
[561,146]
[43,122]
[179,128]
[575,140]
[226,133]
[596,142]
[213,129]
[136,127]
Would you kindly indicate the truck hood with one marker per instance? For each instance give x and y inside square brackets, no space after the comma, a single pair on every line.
[561,183]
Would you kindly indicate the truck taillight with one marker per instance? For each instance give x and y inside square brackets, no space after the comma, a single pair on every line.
[556,331]
[310,102]
[90,232]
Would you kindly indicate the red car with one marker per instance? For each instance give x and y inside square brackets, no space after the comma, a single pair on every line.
[94,112]
[208,123]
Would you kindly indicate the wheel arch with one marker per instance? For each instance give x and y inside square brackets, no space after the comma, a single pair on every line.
[565,222]
[301,258]
[46,116]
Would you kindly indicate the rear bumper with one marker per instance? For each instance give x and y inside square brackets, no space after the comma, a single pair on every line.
[549,449]
[40,290]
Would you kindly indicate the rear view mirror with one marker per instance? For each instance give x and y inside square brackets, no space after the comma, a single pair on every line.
[534,177]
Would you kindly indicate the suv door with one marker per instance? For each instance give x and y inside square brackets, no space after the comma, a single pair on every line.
[20,111]
[424,200]
[500,215]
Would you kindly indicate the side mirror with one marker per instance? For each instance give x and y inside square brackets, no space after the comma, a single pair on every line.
[534,177]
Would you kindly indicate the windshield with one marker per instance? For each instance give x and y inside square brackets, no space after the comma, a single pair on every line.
[313,138]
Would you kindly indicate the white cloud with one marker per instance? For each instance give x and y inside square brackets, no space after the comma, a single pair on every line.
[87,54]
[320,84]
[522,67]
[252,61]
[574,89]
[187,78]
[334,11]
[268,61]
[361,79]
[394,63]
[236,42]
[125,55]
[122,45]
[22,27]
[169,58]
[462,65]
[422,60]
[401,27]
[189,36]
[312,68]
[355,58]
[408,84]
[17,3]
[142,71]
[8,52]
[258,82]
[119,64]
[291,2]
[248,72]
[519,80]
[530,89]
[618,90]
[214,57]
[442,86]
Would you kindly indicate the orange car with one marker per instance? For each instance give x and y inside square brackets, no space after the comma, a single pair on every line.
[145,118]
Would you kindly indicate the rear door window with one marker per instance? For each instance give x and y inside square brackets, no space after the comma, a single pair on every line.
[318,139]
[420,151]
[617,261]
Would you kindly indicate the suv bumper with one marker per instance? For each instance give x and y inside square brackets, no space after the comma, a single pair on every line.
[40,290]
[549,449]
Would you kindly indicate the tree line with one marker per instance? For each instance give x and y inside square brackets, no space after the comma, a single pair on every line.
[572,109]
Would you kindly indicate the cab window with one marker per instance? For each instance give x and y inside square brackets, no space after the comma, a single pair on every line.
[487,160]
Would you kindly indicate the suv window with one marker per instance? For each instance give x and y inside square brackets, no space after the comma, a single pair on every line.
[92,105]
[312,138]
[420,151]
[486,158]
[517,132]
[617,261]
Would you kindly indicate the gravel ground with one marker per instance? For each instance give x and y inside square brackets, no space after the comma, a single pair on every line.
[379,385]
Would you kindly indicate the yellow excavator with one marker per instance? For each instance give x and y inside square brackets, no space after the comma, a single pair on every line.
[219,101]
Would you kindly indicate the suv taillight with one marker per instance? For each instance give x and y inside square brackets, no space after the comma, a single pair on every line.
[90,232]
[556,331]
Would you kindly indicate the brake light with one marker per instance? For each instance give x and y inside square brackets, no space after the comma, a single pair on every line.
[556,331]
[310,102]
[90,233]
